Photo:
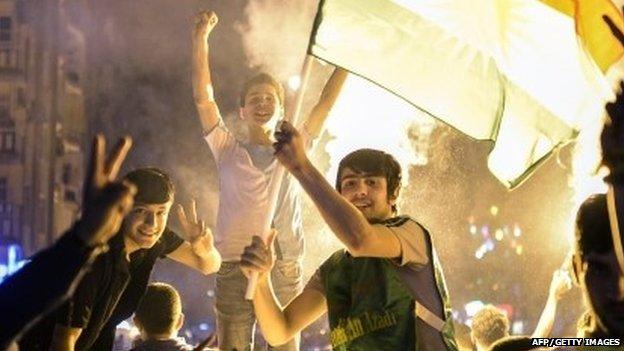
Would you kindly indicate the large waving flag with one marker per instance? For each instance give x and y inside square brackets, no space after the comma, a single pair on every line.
[511,71]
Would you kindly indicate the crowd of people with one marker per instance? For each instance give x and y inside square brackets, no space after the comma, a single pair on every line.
[384,290]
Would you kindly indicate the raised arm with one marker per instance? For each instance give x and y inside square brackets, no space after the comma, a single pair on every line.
[52,275]
[279,325]
[343,218]
[203,92]
[198,251]
[329,95]
[559,286]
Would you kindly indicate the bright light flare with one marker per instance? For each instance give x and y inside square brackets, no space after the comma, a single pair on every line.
[517,327]
[131,329]
[586,160]
[499,234]
[494,210]
[319,246]
[473,229]
[473,307]
[367,116]
[294,83]
[587,179]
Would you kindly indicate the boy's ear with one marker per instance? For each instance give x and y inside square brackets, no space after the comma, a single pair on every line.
[180,322]
[393,197]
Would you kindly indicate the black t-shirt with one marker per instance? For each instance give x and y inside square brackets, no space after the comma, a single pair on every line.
[141,264]
[110,290]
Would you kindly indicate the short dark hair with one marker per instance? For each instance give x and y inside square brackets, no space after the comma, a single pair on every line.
[375,163]
[593,231]
[262,78]
[153,185]
[159,309]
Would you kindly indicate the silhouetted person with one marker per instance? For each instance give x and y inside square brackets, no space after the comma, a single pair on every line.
[52,275]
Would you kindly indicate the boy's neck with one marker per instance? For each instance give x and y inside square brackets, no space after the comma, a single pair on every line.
[258,135]
[160,337]
[129,246]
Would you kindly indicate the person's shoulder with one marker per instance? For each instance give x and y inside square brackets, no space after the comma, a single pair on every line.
[334,259]
[168,242]
[218,129]
[402,220]
[103,264]
[168,234]
[398,221]
[168,238]
[405,222]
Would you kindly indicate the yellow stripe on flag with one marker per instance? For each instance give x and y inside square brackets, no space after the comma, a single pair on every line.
[593,31]
[565,6]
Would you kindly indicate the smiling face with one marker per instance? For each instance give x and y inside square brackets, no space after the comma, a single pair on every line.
[371,180]
[145,224]
[369,193]
[262,105]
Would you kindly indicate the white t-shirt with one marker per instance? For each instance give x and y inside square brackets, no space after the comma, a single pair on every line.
[243,198]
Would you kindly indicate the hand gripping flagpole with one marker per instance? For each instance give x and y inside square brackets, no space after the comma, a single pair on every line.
[275,183]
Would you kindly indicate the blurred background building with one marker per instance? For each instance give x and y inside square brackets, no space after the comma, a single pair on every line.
[42,124]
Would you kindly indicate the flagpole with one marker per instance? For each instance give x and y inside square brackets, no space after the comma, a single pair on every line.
[275,183]
[615,225]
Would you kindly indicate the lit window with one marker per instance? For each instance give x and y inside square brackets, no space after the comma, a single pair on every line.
[7,141]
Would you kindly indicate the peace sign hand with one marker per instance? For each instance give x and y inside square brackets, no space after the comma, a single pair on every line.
[106,201]
[197,233]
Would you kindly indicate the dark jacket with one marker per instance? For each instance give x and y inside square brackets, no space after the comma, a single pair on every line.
[42,285]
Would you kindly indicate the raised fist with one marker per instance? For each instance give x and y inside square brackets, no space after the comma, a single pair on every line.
[205,21]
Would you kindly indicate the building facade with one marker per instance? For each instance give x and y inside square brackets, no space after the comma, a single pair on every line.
[42,123]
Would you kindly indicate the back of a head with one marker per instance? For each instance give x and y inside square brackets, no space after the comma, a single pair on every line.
[153,185]
[593,233]
[159,309]
[513,343]
[372,162]
[489,325]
